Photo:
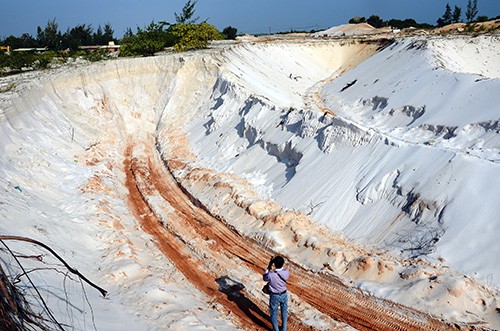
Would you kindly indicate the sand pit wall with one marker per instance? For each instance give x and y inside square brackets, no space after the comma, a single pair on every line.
[250,109]
[65,120]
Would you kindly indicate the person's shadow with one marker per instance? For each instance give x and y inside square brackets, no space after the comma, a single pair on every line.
[232,289]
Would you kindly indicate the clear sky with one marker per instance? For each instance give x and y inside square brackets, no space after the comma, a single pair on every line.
[257,16]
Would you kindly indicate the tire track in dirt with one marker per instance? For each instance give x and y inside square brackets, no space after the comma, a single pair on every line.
[324,292]
[248,314]
[331,294]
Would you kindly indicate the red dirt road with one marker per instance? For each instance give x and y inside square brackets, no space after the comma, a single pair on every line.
[206,251]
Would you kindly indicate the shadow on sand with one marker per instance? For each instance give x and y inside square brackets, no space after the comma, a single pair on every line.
[232,289]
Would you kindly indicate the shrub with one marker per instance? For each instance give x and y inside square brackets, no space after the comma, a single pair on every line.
[146,42]
[194,36]
[229,32]
[42,60]
[16,62]
[19,61]
[141,44]
[96,56]
[357,19]
[471,28]
[4,60]
[78,54]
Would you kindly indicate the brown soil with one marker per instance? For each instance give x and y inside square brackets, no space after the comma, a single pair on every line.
[207,250]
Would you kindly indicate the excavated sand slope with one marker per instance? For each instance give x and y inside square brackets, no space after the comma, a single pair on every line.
[187,151]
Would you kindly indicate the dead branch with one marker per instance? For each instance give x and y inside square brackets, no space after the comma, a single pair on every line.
[7,291]
[423,241]
[312,207]
[49,312]
[17,278]
[71,269]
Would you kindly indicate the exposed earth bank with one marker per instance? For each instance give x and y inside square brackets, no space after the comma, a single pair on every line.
[178,176]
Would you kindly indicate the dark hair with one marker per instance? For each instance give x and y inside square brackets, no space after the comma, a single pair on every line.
[279,261]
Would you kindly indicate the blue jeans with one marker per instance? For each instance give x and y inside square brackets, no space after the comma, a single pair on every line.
[276,300]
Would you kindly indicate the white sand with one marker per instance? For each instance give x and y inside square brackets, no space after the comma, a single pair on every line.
[411,158]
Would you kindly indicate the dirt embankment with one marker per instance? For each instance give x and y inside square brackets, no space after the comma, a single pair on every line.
[208,251]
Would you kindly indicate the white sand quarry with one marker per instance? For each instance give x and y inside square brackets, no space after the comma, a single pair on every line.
[395,149]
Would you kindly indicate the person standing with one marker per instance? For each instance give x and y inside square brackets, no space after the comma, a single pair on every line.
[277,276]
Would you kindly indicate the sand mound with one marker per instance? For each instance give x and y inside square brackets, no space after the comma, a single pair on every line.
[487,26]
[348,30]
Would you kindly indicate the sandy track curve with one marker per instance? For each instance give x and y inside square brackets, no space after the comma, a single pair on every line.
[205,249]
[172,240]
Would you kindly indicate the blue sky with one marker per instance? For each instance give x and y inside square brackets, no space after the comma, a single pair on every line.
[257,16]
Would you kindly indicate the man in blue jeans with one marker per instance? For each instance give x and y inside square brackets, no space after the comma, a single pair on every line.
[277,277]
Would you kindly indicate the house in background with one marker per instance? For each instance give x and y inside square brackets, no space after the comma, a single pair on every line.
[110,48]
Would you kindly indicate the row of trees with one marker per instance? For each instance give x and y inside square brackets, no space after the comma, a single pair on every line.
[52,38]
[184,34]
[56,42]
[378,22]
[450,17]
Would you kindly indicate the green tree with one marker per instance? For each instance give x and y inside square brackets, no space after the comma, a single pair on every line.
[186,17]
[25,41]
[98,37]
[230,32]
[457,12]
[471,11]
[108,33]
[103,36]
[446,18]
[407,23]
[375,21]
[184,35]
[50,36]
[80,35]
[194,36]
[357,19]
[128,33]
